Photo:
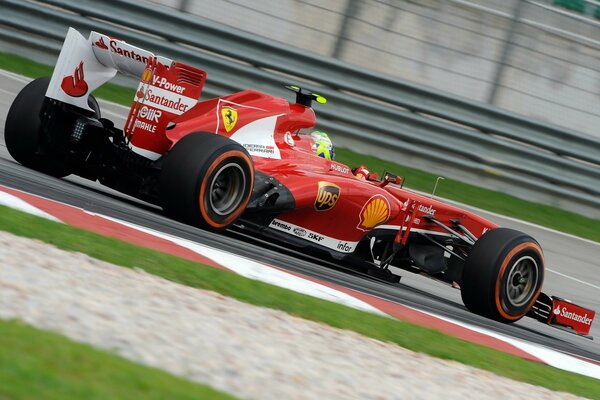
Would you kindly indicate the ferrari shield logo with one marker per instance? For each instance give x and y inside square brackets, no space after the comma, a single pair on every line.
[229,116]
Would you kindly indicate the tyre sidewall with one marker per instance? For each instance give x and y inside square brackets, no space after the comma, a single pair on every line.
[486,271]
[513,253]
[187,170]
[230,154]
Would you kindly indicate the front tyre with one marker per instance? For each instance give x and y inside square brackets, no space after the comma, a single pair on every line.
[206,181]
[503,275]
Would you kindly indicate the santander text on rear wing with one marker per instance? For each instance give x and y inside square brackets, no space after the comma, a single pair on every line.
[167,88]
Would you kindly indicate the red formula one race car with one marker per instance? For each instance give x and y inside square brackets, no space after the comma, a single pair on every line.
[253,160]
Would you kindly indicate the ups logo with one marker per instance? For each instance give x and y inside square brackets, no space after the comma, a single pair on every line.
[327,196]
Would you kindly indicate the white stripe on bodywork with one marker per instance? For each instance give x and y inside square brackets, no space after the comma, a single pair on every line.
[229,103]
[342,246]
[146,153]
[258,138]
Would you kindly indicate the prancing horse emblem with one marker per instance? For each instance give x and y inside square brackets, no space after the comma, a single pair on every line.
[230,117]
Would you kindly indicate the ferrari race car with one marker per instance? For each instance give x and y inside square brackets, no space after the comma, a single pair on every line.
[247,159]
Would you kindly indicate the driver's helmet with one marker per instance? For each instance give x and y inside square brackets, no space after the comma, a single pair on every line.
[323,147]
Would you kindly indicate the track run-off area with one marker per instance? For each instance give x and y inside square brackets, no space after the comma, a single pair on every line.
[572,263]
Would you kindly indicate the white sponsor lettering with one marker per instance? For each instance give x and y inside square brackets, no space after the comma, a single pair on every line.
[150,114]
[165,100]
[345,247]
[339,168]
[564,312]
[427,210]
[164,83]
[177,105]
[282,226]
[145,126]
[127,52]
[259,149]
[315,237]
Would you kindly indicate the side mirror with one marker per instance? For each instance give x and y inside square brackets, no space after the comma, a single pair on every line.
[391,178]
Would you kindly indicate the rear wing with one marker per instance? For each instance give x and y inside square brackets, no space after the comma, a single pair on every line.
[86,64]
[167,88]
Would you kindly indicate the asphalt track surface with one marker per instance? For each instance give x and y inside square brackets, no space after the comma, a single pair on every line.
[573,263]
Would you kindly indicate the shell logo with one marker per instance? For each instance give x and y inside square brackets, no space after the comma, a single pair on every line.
[147,75]
[375,211]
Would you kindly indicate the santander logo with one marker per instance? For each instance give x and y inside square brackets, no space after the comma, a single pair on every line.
[75,85]
[564,312]
[100,43]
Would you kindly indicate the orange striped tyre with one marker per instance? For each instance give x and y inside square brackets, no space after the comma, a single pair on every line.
[503,275]
[206,181]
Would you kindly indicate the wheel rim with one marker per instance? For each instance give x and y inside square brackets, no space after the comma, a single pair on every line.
[226,190]
[522,281]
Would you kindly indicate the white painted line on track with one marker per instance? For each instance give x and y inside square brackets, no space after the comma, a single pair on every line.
[547,355]
[14,202]
[109,112]
[14,76]
[527,223]
[7,91]
[575,279]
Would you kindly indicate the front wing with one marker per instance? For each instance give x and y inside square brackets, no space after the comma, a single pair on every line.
[563,314]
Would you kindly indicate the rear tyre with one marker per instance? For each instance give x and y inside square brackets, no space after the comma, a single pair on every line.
[23,127]
[206,181]
[503,275]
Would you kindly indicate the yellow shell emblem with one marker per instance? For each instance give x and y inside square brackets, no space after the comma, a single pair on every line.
[230,117]
[147,75]
[375,211]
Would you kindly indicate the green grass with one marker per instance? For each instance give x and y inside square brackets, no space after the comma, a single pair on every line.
[498,202]
[254,292]
[35,364]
